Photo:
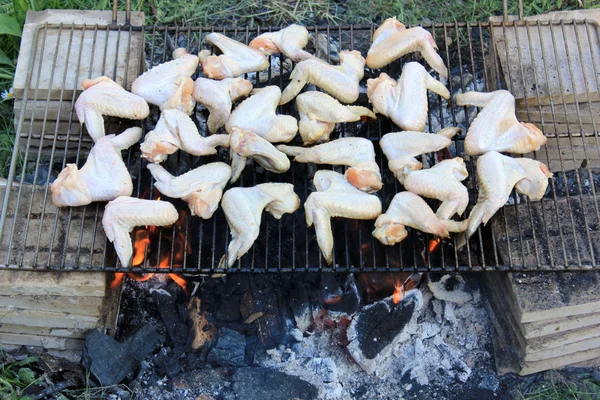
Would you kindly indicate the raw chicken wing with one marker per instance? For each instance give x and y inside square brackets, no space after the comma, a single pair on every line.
[176,131]
[246,144]
[243,209]
[218,98]
[236,60]
[289,41]
[103,177]
[497,175]
[496,127]
[335,197]
[442,182]
[103,96]
[356,153]
[392,40]
[125,213]
[319,113]
[169,85]
[405,101]
[408,209]
[201,187]
[401,148]
[257,114]
[340,81]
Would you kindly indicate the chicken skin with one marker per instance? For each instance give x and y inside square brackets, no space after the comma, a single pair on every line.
[392,40]
[243,209]
[246,144]
[356,153]
[340,81]
[442,182]
[236,60]
[103,177]
[257,114]
[319,113]
[401,148]
[335,197]
[290,41]
[218,98]
[169,85]
[408,209]
[201,187]
[496,176]
[103,96]
[405,101]
[125,213]
[496,127]
[176,131]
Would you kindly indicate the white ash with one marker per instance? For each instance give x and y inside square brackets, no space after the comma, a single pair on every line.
[448,341]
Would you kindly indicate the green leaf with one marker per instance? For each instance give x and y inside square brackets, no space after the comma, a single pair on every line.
[20,7]
[26,361]
[9,25]
[26,375]
[4,59]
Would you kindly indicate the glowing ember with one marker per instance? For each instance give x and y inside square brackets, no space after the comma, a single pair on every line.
[433,244]
[398,293]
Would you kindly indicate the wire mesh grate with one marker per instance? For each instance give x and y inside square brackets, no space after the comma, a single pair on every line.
[552,68]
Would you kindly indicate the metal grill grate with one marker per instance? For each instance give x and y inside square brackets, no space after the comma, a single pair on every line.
[560,95]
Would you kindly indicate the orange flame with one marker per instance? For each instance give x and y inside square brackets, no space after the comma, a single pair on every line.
[398,293]
[433,244]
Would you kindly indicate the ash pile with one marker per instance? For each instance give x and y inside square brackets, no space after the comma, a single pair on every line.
[306,336]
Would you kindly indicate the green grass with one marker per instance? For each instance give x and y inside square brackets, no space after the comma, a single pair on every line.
[555,385]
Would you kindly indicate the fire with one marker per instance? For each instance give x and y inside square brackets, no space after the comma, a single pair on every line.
[145,238]
[398,292]
[433,244]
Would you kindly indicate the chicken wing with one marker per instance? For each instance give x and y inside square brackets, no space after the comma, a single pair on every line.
[405,101]
[243,209]
[176,131]
[442,182]
[497,175]
[103,96]
[496,127]
[103,177]
[335,197]
[124,213]
[401,148]
[236,60]
[356,153]
[319,113]
[257,114]
[289,41]
[392,40]
[169,85]
[218,98]
[246,144]
[408,209]
[201,187]
[340,81]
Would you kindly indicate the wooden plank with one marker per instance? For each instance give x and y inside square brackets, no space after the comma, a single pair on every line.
[42,331]
[47,319]
[91,306]
[571,348]
[31,283]
[48,342]
[121,54]
[537,366]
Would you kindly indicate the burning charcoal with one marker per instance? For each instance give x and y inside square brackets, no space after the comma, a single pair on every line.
[110,361]
[378,327]
[450,288]
[229,350]
[347,301]
[203,331]
[175,317]
[166,364]
[301,306]
[264,383]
